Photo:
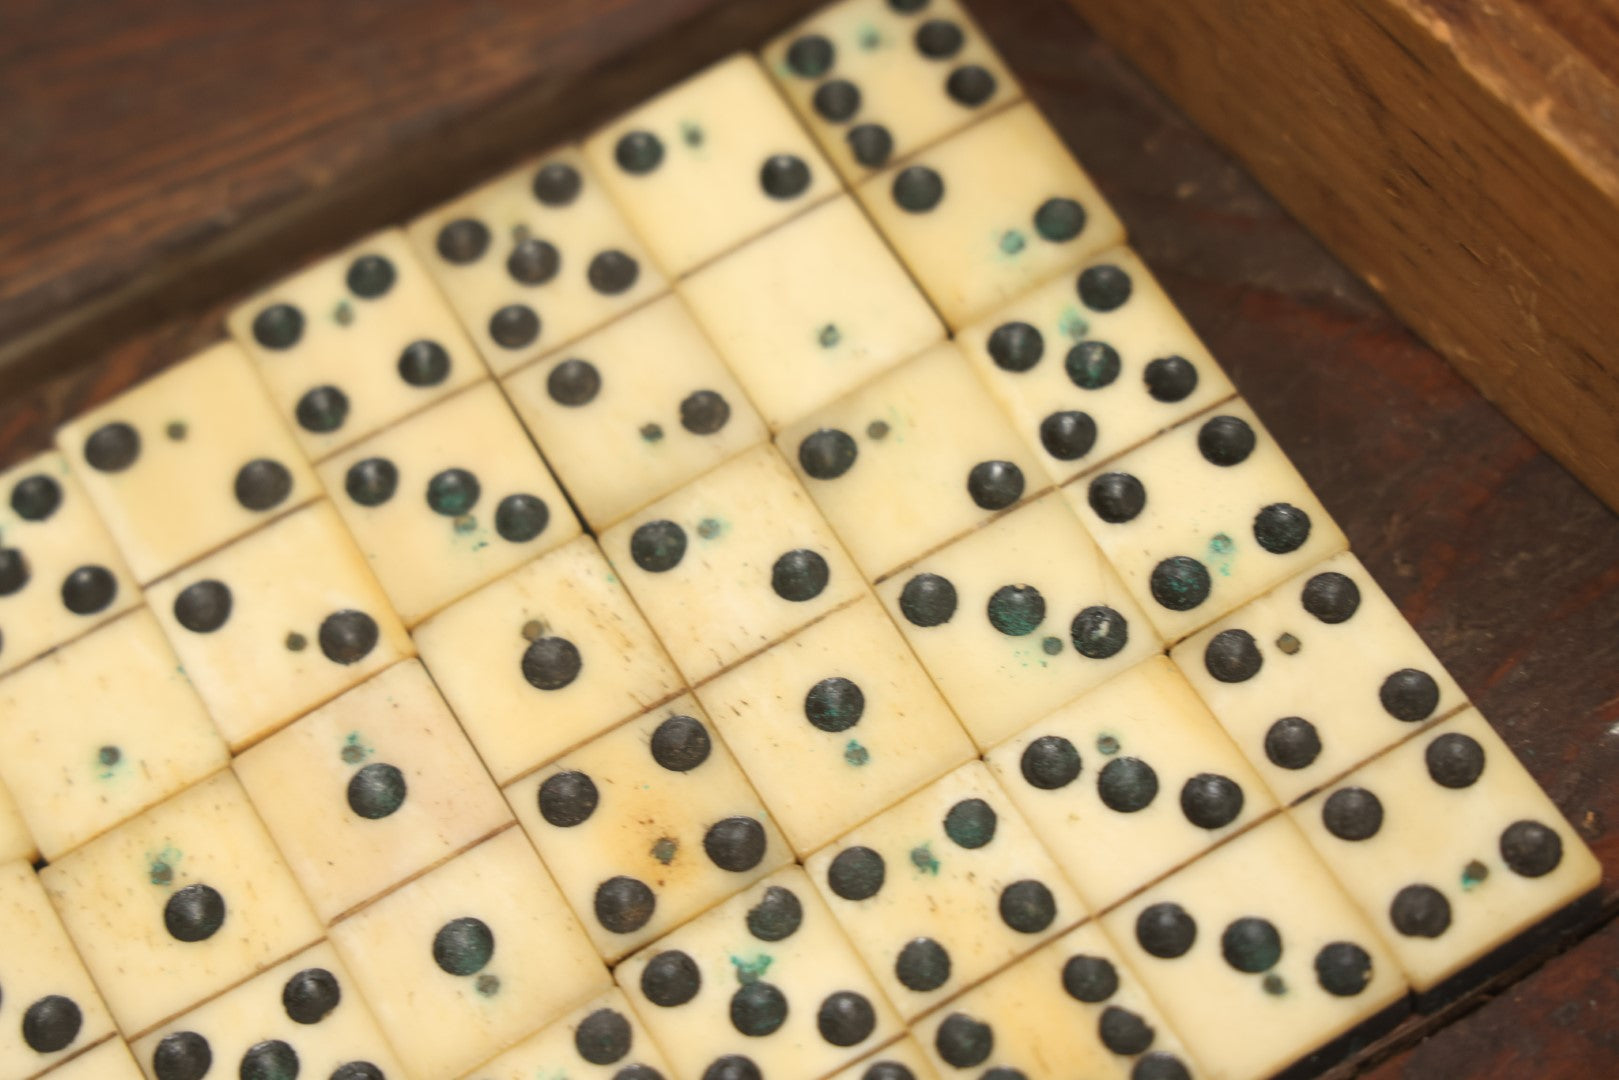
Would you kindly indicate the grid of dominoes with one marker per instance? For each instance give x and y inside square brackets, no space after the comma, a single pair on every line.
[774,590]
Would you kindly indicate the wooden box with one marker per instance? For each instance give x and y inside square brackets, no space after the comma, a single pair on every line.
[1462,159]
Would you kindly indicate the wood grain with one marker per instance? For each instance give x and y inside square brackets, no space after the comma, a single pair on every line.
[1505,564]
[1463,157]
[1553,1023]
[159,158]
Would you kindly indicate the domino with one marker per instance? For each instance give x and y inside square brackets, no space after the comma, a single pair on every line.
[648,825]
[51,1009]
[989,213]
[1074,1005]
[634,411]
[1203,518]
[709,163]
[1130,781]
[836,723]
[943,888]
[60,574]
[808,312]
[278,623]
[176,905]
[763,985]
[469,959]
[601,1040]
[1017,618]
[546,658]
[354,343]
[448,500]
[1316,676]
[1258,961]
[875,81]
[1093,364]
[731,564]
[100,730]
[910,462]
[303,1017]
[1453,852]
[902,1060]
[187,461]
[110,1060]
[15,840]
[371,789]
[535,258]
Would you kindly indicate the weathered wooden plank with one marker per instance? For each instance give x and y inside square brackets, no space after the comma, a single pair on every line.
[1462,157]
[160,158]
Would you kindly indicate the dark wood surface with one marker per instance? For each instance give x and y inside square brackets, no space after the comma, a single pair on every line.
[1557,1022]
[1507,566]
[158,156]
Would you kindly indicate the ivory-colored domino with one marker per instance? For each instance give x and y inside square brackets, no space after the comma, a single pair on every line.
[16,842]
[910,461]
[709,163]
[835,724]
[448,500]
[731,563]
[1317,675]
[101,729]
[278,623]
[50,1008]
[1450,848]
[1093,363]
[990,212]
[903,1060]
[1074,1005]
[1017,618]
[545,659]
[943,888]
[60,573]
[181,902]
[303,1017]
[1129,781]
[875,81]
[371,788]
[535,258]
[188,460]
[470,958]
[354,343]
[1204,518]
[109,1061]
[811,310]
[763,985]
[601,1040]
[647,826]
[634,410]
[1257,960]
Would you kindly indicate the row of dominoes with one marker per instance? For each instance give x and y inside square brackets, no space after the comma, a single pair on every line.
[751,665]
